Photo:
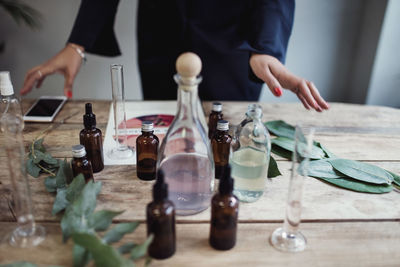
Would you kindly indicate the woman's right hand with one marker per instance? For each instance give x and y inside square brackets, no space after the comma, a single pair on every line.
[67,62]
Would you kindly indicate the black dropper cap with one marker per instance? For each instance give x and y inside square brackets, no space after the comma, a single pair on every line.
[89,119]
[226,182]
[160,188]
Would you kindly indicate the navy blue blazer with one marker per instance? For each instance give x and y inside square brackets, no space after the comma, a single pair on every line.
[223,33]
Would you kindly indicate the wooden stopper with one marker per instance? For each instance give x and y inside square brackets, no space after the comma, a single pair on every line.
[188,65]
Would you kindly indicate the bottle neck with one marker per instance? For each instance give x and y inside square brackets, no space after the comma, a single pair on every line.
[147,133]
[187,98]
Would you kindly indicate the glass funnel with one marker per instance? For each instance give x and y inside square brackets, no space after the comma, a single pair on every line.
[185,154]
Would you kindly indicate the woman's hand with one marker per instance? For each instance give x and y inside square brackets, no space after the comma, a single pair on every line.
[67,62]
[276,76]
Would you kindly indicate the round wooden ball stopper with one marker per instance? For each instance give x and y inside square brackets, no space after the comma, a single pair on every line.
[188,65]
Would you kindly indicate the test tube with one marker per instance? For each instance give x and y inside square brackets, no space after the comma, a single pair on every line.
[27,233]
[121,150]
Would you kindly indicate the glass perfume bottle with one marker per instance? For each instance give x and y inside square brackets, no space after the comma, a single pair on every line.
[185,154]
[80,163]
[146,152]
[215,116]
[9,102]
[221,144]
[250,157]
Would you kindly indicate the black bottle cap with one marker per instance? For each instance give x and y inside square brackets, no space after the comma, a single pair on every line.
[160,188]
[226,182]
[89,119]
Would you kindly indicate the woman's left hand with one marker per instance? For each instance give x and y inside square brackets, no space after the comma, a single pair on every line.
[276,76]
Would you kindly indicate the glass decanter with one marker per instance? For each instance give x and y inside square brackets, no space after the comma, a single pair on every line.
[251,149]
[185,154]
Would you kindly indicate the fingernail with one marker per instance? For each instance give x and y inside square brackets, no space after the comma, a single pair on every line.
[69,94]
[278,91]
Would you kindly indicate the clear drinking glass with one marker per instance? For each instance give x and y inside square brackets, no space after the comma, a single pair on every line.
[28,233]
[289,238]
[121,150]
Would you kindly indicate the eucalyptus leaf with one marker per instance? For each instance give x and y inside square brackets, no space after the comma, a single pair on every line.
[141,250]
[38,156]
[288,144]
[32,169]
[50,184]
[63,173]
[81,256]
[359,186]
[396,178]
[280,128]
[103,255]
[61,202]
[126,248]
[277,150]
[273,169]
[323,169]
[362,171]
[328,153]
[76,187]
[102,219]
[116,233]
[38,145]
[19,264]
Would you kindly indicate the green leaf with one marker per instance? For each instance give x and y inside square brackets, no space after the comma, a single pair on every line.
[103,255]
[280,128]
[126,248]
[116,233]
[76,187]
[38,156]
[323,169]
[141,250]
[328,153]
[273,169]
[32,169]
[81,256]
[277,150]
[288,144]
[359,186]
[102,219]
[19,264]
[61,202]
[64,171]
[396,178]
[50,184]
[75,219]
[362,171]
[38,145]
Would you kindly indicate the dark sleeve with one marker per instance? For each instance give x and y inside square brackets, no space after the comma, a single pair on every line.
[94,27]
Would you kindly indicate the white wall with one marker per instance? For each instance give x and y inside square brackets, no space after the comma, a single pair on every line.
[333,44]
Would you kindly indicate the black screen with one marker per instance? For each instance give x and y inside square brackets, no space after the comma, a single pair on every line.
[45,107]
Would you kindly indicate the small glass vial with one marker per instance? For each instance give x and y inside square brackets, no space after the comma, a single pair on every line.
[221,143]
[215,116]
[146,152]
[224,214]
[250,156]
[80,163]
[91,138]
[160,216]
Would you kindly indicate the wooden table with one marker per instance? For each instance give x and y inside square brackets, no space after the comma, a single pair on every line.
[343,228]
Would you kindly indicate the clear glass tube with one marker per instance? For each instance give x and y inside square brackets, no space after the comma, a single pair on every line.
[289,238]
[121,150]
[28,233]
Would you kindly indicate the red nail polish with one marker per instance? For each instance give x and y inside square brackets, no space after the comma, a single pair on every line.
[69,94]
[278,91]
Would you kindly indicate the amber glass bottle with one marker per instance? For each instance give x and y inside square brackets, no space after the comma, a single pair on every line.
[215,116]
[91,138]
[146,152]
[224,214]
[221,143]
[80,163]
[160,215]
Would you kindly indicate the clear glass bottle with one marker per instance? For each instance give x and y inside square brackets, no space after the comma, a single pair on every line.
[221,144]
[9,103]
[146,152]
[250,157]
[215,116]
[185,154]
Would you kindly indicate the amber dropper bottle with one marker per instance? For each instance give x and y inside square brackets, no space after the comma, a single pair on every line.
[221,144]
[91,138]
[215,116]
[224,214]
[160,215]
[146,152]
[80,163]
